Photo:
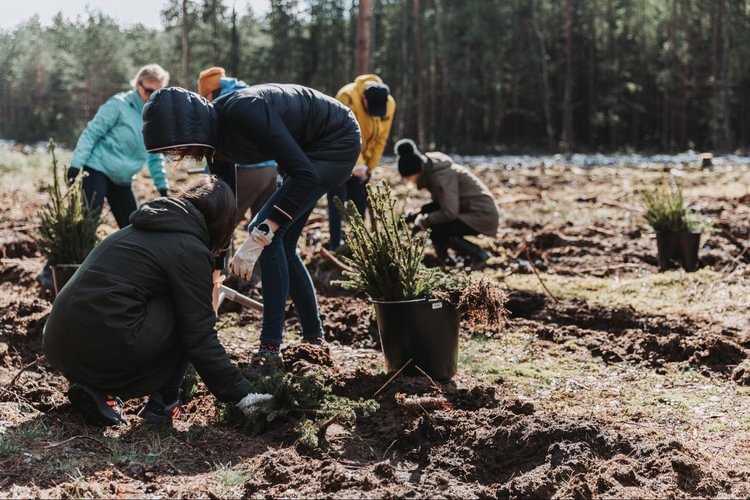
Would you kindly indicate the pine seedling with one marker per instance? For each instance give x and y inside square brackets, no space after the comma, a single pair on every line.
[67,232]
[388,260]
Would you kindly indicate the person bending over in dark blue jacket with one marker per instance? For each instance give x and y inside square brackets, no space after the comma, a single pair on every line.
[314,139]
[138,310]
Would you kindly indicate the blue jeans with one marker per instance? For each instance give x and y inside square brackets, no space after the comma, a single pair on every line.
[284,274]
[355,189]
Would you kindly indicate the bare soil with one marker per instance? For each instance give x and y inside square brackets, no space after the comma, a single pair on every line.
[502,434]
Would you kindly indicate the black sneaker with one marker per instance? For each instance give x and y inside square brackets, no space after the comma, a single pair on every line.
[97,407]
[156,412]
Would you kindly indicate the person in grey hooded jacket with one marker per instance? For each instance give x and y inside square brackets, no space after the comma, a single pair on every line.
[138,310]
[315,140]
[461,203]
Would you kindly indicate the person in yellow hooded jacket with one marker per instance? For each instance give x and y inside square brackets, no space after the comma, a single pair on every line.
[373,106]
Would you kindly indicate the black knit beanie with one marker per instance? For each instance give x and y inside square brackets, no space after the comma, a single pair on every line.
[409,159]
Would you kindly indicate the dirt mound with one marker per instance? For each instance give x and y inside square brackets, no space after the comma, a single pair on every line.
[300,356]
[623,334]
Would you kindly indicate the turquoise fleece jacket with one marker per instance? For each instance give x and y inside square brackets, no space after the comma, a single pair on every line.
[112,142]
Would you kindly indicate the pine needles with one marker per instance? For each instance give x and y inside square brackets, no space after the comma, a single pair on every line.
[665,209]
[305,399]
[387,261]
[68,228]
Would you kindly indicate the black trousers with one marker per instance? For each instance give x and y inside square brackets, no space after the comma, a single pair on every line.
[97,187]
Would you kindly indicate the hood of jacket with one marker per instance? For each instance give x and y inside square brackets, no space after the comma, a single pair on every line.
[435,161]
[363,80]
[175,117]
[171,215]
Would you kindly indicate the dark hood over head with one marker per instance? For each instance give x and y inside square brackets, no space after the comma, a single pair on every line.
[175,117]
[171,215]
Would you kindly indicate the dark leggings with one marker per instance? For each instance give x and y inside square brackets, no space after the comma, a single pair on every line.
[441,233]
[97,186]
[354,189]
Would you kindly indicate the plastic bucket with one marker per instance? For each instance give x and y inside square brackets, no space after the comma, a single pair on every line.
[61,274]
[668,250]
[689,243]
[425,331]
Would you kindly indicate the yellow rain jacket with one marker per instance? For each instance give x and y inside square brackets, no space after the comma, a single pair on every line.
[374,129]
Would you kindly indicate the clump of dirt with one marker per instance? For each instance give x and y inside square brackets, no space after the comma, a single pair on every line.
[302,356]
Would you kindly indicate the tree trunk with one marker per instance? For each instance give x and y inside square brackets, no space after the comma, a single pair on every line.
[418,71]
[234,48]
[185,45]
[544,80]
[362,51]
[725,102]
[566,139]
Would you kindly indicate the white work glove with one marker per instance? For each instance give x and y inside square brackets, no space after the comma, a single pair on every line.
[250,403]
[246,256]
[360,171]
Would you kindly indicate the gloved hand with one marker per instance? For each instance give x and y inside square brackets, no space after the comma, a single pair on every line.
[72,174]
[360,171]
[419,224]
[163,192]
[247,255]
[250,403]
[410,217]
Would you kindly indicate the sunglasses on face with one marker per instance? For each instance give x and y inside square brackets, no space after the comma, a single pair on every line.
[147,90]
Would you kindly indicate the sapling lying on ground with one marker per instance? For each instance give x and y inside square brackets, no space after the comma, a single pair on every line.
[302,397]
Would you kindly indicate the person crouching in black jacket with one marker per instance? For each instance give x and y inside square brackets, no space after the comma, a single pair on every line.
[139,309]
[315,141]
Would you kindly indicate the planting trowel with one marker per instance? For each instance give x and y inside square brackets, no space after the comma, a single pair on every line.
[229,293]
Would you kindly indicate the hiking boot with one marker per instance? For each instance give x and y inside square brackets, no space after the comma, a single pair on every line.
[97,407]
[156,412]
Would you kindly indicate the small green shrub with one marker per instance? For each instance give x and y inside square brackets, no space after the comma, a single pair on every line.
[666,211]
[67,231]
[388,260]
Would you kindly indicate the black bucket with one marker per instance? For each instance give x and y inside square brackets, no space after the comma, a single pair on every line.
[689,243]
[61,274]
[668,250]
[425,331]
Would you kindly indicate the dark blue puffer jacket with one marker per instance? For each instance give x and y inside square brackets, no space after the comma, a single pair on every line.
[314,138]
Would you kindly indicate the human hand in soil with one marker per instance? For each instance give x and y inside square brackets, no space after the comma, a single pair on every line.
[247,255]
[250,403]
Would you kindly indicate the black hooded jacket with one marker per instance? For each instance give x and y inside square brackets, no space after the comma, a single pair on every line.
[139,304]
[314,138]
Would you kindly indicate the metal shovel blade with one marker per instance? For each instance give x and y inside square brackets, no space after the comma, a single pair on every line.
[228,293]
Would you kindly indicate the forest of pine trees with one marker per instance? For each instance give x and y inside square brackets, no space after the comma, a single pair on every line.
[474,76]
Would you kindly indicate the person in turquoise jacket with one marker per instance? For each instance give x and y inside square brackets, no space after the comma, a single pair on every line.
[111,150]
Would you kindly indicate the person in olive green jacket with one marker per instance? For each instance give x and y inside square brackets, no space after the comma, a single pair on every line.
[374,107]
[139,309]
[461,204]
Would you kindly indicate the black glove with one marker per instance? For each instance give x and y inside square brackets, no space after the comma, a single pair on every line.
[409,217]
[163,192]
[72,174]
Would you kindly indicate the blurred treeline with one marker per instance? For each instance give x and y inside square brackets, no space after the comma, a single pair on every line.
[475,76]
